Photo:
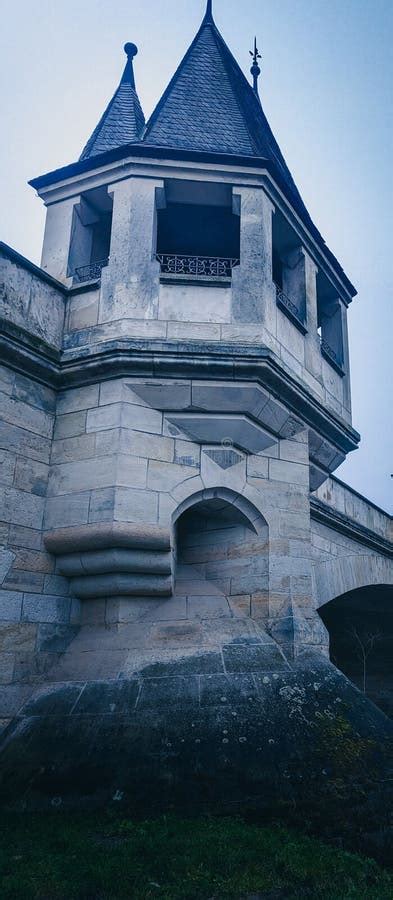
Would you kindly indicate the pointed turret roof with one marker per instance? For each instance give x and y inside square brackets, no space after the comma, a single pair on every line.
[208,111]
[210,106]
[123,120]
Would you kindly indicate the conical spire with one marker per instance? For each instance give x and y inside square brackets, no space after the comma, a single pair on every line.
[123,120]
[210,106]
[209,11]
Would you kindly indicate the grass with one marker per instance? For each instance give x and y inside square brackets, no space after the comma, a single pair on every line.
[98,857]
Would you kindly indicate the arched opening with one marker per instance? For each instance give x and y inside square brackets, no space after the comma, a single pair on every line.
[221,558]
[360,625]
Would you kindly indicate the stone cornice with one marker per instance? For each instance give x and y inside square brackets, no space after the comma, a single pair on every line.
[28,354]
[217,360]
[171,359]
[340,522]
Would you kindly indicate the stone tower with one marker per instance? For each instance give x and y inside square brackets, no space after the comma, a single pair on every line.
[195,399]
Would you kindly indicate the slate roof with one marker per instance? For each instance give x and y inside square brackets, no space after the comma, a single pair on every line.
[210,106]
[123,120]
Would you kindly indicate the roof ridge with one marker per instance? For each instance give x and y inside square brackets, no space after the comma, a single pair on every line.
[154,115]
[222,45]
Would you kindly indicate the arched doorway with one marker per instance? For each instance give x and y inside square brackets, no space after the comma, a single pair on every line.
[221,555]
[360,625]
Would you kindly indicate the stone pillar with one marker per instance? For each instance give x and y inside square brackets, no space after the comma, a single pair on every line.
[57,239]
[312,350]
[130,282]
[346,361]
[252,286]
[293,619]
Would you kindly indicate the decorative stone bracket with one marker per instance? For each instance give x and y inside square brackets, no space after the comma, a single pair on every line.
[114,560]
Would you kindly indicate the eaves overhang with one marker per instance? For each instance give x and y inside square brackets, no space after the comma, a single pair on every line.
[144,151]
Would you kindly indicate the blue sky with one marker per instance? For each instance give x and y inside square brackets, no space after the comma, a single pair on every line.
[326,87]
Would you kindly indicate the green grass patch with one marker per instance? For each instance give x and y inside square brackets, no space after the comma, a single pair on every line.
[99,857]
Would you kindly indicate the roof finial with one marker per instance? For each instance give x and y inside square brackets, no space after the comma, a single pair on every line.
[209,11]
[130,50]
[255,69]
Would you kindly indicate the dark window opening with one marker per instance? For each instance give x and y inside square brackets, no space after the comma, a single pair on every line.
[288,272]
[91,236]
[330,312]
[198,234]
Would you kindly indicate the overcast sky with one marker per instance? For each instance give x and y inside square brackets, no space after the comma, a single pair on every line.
[326,87]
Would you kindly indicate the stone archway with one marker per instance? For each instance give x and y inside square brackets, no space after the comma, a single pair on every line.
[360,626]
[343,574]
[221,554]
[355,602]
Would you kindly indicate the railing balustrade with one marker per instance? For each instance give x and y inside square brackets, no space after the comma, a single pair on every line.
[331,355]
[92,271]
[197,266]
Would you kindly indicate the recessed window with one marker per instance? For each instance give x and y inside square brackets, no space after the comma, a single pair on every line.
[198,233]
[90,236]
[288,272]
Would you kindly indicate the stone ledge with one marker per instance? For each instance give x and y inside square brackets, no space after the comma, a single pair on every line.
[340,522]
[102,537]
[114,560]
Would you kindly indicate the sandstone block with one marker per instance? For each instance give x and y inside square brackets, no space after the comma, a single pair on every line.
[7,467]
[135,506]
[31,476]
[46,609]
[34,393]
[77,399]
[24,581]
[22,415]
[293,473]
[102,505]
[70,424]
[166,476]
[24,442]
[17,637]
[10,606]
[73,448]
[21,508]
[7,662]
[61,512]
[19,536]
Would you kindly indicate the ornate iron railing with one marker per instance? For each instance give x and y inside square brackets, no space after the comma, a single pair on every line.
[197,266]
[287,302]
[331,355]
[290,308]
[91,272]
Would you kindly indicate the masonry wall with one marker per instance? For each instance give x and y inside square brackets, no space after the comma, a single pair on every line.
[37,615]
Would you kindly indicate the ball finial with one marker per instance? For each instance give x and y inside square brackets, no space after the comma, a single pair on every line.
[131,50]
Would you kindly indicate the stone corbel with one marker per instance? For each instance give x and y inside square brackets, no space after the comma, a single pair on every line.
[114,559]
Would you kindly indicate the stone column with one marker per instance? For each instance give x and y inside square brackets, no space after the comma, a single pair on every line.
[346,361]
[252,286]
[130,282]
[57,239]
[312,348]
